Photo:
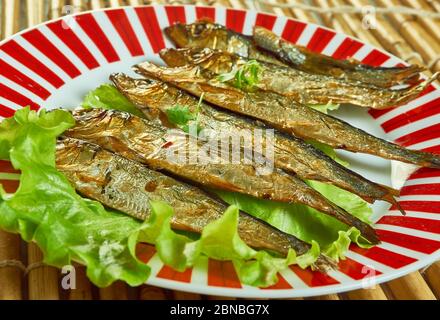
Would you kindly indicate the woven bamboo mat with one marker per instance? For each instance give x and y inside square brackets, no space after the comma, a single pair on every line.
[412,38]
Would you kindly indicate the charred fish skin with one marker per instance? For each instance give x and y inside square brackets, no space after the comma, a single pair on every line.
[306,88]
[291,154]
[285,114]
[306,60]
[138,140]
[205,34]
[128,186]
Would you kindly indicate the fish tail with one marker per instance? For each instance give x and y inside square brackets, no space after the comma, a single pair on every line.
[366,230]
[405,75]
[409,93]
[435,161]
[324,264]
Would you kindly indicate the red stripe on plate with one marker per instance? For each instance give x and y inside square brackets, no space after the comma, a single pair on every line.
[426,110]
[88,23]
[123,26]
[10,186]
[175,14]
[430,189]
[422,206]
[425,173]
[313,278]
[39,41]
[265,20]
[280,285]
[19,78]
[16,97]
[6,166]
[222,274]
[205,13]
[433,149]
[293,30]
[235,19]
[13,49]
[320,39]
[375,58]
[347,49]
[71,40]
[144,252]
[418,244]
[378,113]
[422,224]
[6,112]
[421,135]
[171,274]
[386,257]
[149,22]
[356,270]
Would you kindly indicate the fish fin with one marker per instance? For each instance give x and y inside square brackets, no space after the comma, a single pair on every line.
[399,207]
[415,90]
[324,264]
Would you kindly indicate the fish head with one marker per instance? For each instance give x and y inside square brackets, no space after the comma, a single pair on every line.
[144,93]
[202,34]
[152,97]
[216,61]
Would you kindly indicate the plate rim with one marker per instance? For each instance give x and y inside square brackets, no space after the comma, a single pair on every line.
[247,291]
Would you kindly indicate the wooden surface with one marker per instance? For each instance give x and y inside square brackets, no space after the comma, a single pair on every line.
[416,40]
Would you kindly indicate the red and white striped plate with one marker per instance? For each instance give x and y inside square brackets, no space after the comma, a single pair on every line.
[56,63]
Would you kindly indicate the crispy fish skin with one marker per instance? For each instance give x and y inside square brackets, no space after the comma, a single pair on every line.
[129,187]
[284,114]
[306,60]
[205,34]
[147,143]
[306,88]
[291,154]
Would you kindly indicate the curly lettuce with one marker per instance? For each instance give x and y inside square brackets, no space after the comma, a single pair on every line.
[332,236]
[47,210]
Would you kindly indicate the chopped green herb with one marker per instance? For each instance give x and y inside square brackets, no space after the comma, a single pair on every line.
[245,77]
[182,116]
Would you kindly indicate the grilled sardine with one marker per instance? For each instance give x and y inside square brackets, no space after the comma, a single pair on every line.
[154,98]
[205,34]
[304,59]
[129,187]
[306,88]
[150,143]
[284,114]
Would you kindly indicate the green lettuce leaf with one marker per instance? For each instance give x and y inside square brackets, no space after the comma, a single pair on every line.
[46,209]
[308,224]
[325,108]
[108,97]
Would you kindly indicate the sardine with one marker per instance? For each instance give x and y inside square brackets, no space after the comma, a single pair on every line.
[205,34]
[306,88]
[291,154]
[151,144]
[306,60]
[128,186]
[284,114]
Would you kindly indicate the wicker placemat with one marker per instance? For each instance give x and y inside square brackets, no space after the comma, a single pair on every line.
[415,38]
